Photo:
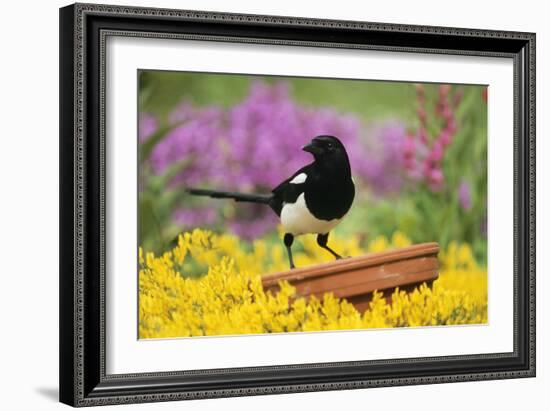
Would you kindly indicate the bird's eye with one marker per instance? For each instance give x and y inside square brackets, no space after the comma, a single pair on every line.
[329,145]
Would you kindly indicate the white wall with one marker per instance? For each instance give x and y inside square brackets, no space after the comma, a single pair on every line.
[29,205]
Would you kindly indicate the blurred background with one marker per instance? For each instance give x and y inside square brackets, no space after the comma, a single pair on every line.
[418,154]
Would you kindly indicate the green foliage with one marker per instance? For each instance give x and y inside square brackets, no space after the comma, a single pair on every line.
[425,215]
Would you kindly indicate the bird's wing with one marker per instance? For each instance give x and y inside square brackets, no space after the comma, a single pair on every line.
[289,190]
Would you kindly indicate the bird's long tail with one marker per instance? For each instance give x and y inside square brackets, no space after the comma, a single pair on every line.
[241,197]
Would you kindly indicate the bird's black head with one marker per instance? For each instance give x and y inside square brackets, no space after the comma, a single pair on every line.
[325,148]
[330,155]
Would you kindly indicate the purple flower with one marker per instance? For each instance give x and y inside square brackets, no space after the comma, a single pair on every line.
[255,221]
[268,126]
[189,217]
[256,144]
[196,144]
[465,195]
[147,126]
[383,165]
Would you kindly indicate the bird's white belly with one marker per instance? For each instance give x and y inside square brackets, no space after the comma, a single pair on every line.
[297,219]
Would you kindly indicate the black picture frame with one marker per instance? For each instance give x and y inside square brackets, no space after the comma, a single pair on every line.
[83,29]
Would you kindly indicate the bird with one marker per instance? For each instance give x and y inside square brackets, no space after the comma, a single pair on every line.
[314,200]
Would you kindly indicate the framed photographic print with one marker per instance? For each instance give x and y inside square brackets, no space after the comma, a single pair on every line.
[261,204]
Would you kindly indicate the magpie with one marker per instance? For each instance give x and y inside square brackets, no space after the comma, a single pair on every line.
[313,200]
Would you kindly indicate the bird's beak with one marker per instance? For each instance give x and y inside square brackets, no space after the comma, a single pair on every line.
[311,148]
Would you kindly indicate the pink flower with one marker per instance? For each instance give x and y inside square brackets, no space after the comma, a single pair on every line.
[435,179]
[445,138]
[447,113]
[408,146]
[423,135]
[451,127]
[436,153]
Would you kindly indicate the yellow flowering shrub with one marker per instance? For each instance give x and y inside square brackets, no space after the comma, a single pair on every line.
[229,298]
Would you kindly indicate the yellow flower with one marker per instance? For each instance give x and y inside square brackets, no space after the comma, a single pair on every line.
[229,298]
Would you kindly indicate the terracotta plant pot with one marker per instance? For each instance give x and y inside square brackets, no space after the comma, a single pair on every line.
[356,278]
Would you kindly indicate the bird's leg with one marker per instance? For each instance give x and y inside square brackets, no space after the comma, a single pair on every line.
[289,239]
[322,241]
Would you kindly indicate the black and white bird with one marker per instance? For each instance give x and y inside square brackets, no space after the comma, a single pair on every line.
[313,200]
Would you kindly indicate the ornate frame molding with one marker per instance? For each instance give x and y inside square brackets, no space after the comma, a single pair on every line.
[82,337]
